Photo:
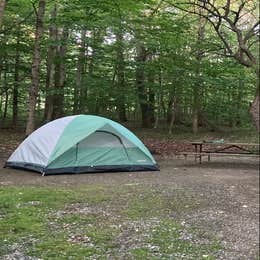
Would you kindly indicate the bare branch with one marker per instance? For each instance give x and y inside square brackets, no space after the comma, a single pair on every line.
[237,14]
[227,9]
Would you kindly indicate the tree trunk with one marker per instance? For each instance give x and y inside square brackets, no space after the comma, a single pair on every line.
[197,87]
[80,92]
[173,111]
[58,104]
[2,8]
[34,89]
[6,93]
[151,94]
[120,71]
[196,105]
[140,84]
[170,107]
[48,110]
[5,104]
[254,108]
[16,82]
[159,102]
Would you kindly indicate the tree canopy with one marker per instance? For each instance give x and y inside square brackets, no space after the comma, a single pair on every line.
[152,62]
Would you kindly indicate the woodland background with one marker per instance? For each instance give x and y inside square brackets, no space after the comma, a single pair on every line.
[149,63]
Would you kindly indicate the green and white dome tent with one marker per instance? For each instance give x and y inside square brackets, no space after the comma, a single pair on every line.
[82,143]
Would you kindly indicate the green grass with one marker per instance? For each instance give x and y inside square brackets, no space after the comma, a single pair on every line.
[56,223]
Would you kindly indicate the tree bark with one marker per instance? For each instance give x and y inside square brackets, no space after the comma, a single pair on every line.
[58,103]
[254,108]
[16,82]
[197,87]
[34,89]
[120,71]
[5,104]
[151,93]
[5,92]
[2,8]
[159,100]
[80,91]
[140,84]
[48,110]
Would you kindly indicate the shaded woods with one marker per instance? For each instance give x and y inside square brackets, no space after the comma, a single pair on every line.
[154,63]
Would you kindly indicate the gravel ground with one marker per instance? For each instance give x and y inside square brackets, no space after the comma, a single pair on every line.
[228,188]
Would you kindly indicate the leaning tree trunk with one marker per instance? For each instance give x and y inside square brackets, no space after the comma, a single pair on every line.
[2,8]
[35,68]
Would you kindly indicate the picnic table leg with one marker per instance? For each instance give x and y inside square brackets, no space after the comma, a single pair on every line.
[208,157]
[196,150]
[200,152]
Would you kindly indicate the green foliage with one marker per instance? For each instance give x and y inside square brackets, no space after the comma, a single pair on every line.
[171,68]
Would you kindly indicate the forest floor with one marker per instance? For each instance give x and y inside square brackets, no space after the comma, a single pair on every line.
[185,211]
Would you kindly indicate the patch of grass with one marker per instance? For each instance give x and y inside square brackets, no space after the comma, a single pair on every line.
[146,203]
[170,240]
[53,223]
[172,237]
[25,212]
[141,253]
[59,248]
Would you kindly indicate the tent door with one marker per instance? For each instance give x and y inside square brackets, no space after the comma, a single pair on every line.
[101,148]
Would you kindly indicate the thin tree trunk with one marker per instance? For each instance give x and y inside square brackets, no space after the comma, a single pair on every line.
[1,93]
[196,105]
[254,108]
[6,93]
[80,91]
[34,89]
[169,106]
[160,94]
[172,107]
[58,104]
[5,104]
[177,105]
[171,121]
[96,42]
[140,83]
[197,87]
[120,77]
[48,110]
[2,8]
[151,95]
[16,82]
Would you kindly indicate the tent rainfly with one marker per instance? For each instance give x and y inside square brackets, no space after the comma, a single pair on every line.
[82,143]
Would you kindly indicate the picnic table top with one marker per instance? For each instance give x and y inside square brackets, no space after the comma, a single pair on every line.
[224,143]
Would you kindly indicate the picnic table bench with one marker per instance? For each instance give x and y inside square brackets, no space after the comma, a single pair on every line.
[208,149]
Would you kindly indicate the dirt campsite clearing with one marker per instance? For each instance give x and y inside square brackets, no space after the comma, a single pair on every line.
[185,211]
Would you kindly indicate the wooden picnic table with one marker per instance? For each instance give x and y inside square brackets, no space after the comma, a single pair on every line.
[222,148]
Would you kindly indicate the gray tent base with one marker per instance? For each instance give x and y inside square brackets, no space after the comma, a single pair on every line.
[82,169]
